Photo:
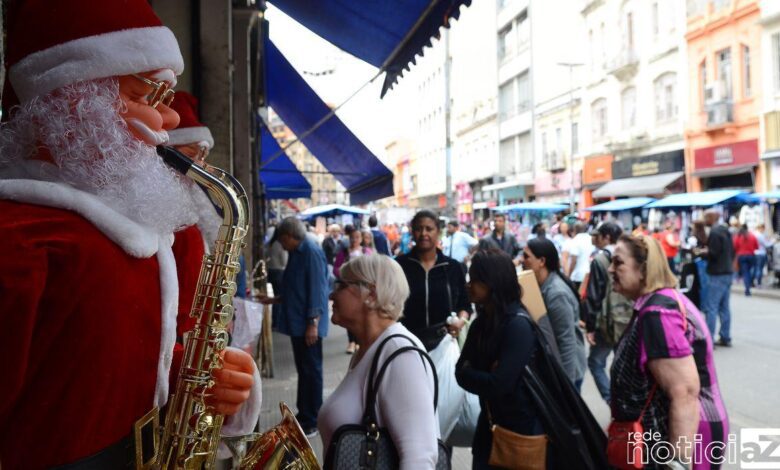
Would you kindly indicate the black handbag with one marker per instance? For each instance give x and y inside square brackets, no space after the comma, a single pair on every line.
[366,446]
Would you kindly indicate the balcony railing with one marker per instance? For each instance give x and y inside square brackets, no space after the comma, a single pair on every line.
[553,161]
[513,111]
[624,64]
[719,113]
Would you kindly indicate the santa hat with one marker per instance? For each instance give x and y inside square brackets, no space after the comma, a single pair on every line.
[190,130]
[52,44]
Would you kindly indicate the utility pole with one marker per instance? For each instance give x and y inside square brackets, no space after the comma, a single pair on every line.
[449,210]
[571,66]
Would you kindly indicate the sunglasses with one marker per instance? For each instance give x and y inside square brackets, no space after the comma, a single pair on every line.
[162,93]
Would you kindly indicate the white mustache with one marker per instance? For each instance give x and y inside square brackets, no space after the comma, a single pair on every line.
[151,137]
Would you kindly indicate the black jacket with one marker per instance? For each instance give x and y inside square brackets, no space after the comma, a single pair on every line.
[432,295]
[508,243]
[596,291]
[720,256]
[330,248]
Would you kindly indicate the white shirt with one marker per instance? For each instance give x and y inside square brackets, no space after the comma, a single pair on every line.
[582,248]
[404,401]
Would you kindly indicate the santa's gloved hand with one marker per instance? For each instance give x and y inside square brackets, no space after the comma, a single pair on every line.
[233,382]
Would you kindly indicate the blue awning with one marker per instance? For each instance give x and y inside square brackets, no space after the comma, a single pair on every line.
[388,34]
[332,210]
[281,179]
[332,143]
[765,196]
[621,204]
[531,207]
[703,199]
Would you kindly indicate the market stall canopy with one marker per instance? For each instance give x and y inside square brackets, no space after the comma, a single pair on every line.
[638,186]
[703,199]
[388,34]
[281,179]
[331,142]
[758,197]
[332,210]
[531,207]
[621,204]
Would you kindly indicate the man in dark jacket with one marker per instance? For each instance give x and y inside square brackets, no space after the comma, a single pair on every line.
[380,240]
[607,313]
[720,259]
[330,246]
[505,240]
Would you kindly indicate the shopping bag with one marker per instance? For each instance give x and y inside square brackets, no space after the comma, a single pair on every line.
[451,396]
[462,435]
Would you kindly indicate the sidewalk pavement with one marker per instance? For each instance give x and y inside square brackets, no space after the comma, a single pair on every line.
[282,387]
[764,291]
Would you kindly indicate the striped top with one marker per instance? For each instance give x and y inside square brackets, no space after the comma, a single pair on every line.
[657,330]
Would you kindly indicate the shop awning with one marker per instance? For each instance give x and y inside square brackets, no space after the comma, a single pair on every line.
[734,170]
[388,34]
[332,210]
[531,207]
[703,199]
[332,143]
[638,186]
[281,179]
[621,204]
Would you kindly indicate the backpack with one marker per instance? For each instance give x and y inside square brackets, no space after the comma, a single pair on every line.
[616,310]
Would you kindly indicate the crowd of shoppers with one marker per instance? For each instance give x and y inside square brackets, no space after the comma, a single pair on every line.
[616,292]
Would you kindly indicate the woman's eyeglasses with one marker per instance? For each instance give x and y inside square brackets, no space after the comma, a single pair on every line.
[343,284]
[162,93]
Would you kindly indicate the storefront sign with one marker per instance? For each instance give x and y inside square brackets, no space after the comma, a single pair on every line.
[597,169]
[556,182]
[666,162]
[725,156]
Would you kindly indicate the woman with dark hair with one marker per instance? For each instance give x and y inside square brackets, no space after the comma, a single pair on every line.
[500,343]
[560,298]
[437,285]
[745,246]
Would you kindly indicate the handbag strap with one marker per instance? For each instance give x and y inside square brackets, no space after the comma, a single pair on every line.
[374,378]
[684,313]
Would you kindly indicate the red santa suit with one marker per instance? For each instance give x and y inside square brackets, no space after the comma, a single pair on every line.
[88,300]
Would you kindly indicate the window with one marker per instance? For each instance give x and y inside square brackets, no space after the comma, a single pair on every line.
[544,145]
[523,29]
[507,154]
[505,42]
[746,91]
[628,107]
[724,74]
[599,118]
[506,99]
[523,92]
[525,158]
[656,29]
[776,61]
[559,141]
[603,45]
[665,99]
[575,138]
[629,40]
[592,49]
[703,82]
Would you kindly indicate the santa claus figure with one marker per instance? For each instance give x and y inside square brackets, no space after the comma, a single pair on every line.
[89,287]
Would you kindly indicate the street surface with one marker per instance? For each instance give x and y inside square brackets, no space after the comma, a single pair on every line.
[747,372]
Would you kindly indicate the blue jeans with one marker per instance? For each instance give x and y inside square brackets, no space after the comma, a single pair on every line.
[716,305]
[308,363]
[597,363]
[758,273]
[747,264]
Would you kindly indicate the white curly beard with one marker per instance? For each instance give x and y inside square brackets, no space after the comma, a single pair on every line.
[94,151]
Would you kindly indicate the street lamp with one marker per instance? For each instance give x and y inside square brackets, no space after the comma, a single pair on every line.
[571,66]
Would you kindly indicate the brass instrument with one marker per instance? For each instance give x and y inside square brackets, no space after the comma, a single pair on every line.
[191,432]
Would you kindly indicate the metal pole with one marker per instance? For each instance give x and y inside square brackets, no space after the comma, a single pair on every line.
[447,137]
[571,66]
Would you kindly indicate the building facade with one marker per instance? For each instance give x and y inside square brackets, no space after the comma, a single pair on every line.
[633,98]
[725,98]
[770,122]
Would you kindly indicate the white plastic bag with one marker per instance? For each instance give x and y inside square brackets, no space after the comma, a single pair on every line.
[462,434]
[451,396]
[247,322]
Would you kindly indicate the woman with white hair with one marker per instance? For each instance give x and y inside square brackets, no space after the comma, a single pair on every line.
[368,300]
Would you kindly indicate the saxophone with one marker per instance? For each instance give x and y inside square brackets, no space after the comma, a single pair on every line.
[191,433]
[192,429]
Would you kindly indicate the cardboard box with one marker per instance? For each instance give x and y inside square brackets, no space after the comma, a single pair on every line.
[531,295]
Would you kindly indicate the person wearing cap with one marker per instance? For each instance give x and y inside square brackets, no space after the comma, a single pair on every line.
[607,313]
[89,284]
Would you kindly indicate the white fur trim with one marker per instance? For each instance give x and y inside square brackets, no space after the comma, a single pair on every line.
[248,415]
[136,240]
[169,297]
[190,135]
[116,53]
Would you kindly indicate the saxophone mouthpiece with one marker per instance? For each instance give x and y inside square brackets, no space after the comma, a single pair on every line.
[175,159]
